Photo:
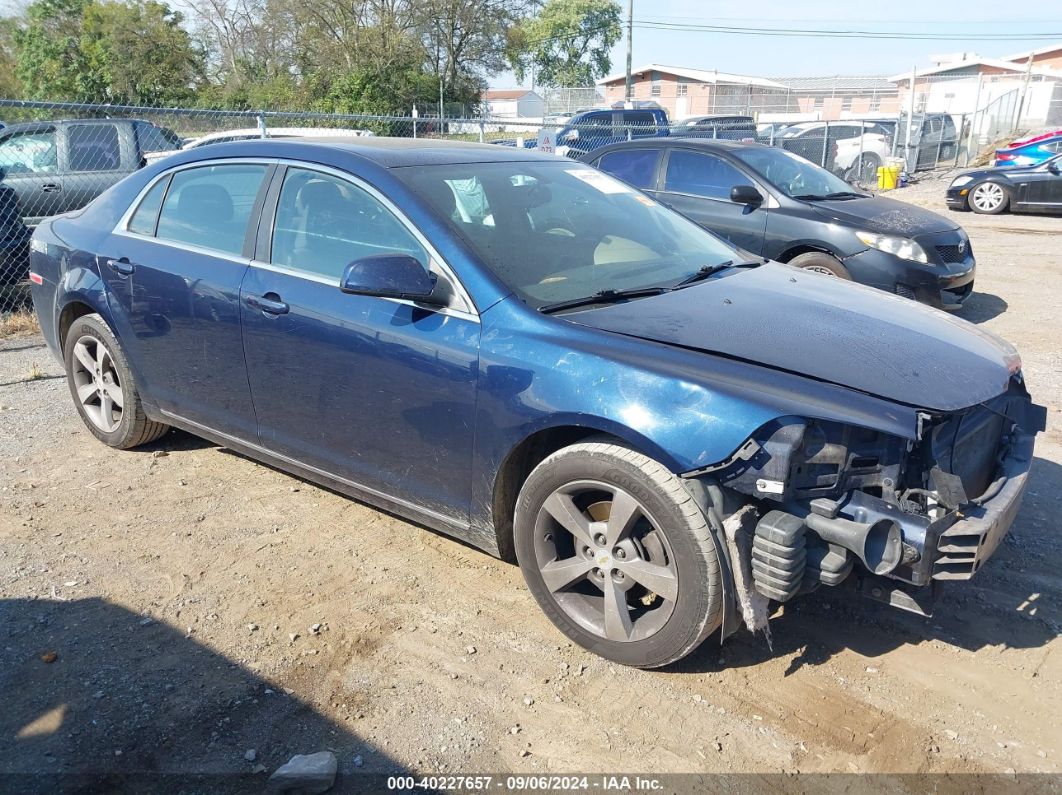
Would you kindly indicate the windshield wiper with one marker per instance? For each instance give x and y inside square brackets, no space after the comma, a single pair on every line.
[603,297]
[818,197]
[705,271]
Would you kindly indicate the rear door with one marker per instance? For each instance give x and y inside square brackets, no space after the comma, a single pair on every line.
[93,161]
[697,184]
[173,276]
[30,160]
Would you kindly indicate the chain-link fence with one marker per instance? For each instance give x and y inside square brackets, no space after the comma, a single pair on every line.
[56,157]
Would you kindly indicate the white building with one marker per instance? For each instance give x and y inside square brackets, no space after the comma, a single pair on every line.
[513,103]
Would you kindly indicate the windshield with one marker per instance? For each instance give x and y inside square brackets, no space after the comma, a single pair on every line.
[560,231]
[796,177]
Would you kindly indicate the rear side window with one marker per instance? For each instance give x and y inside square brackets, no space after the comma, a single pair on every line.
[93,147]
[210,206]
[324,223]
[640,123]
[146,216]
[701,174]
[636,167]
[156,139]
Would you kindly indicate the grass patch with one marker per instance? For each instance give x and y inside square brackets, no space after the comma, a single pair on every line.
[22,323]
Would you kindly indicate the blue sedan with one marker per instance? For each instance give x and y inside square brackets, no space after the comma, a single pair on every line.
[527,354]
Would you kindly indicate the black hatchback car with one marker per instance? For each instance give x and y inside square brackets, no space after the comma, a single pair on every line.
[777,205]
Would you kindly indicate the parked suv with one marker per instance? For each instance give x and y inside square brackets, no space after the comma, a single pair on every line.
[587,131]
[57,166]
[853,150]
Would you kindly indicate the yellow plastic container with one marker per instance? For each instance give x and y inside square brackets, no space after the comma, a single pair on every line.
[888,177]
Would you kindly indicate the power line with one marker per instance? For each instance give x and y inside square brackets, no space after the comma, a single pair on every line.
[839,34]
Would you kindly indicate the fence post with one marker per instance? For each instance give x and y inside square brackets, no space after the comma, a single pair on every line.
[825,143]
[262,132]
[481,130]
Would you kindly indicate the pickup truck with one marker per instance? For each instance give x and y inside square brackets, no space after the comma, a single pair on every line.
[47,168]
[56,166]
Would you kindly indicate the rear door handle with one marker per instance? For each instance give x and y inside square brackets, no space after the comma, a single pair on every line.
[269,303]
[123,267]
[51,187]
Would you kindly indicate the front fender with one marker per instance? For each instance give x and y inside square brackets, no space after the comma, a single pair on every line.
[684,408]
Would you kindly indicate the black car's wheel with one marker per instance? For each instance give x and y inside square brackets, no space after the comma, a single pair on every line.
[103,387]
[618,555]
[989,198]
[820,262]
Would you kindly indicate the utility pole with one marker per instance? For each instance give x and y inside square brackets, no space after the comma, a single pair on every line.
[630,37]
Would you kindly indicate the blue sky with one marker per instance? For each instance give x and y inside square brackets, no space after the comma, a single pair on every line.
[786,56]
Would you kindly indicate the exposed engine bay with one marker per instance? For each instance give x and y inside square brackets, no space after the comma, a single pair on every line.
[831,497]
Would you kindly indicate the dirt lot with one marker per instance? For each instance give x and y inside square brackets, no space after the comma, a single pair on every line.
[179,587]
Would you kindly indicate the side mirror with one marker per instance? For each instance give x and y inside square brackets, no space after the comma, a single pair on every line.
[746,194]
[389,276]
[1052,166]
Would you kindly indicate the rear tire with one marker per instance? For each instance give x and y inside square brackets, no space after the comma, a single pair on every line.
[865,170]
[103,388]
[821,262]
[618,555]
[988,198]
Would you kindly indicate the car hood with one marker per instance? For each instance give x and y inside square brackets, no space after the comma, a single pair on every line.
[1006,172]
[884,216]
[823,328]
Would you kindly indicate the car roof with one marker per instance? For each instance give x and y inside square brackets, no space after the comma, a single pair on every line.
[386,152]
[709,144]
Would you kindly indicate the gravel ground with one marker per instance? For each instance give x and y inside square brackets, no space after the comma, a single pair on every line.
[201,605]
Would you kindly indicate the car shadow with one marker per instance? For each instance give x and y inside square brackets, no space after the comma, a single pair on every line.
[982,307]
[1013,602]
[131,704]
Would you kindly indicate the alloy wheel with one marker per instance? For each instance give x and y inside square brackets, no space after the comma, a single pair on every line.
[96,382]
[819,269]
[605,562]
[987,197]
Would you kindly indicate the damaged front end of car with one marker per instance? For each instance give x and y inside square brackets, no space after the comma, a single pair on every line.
[835,503]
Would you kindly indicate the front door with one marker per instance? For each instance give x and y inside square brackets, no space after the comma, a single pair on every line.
[377,392]
[697,184]
[174,279]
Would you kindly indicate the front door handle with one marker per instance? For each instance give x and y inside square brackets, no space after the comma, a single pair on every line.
[123,267]
[51,187]
[269,303]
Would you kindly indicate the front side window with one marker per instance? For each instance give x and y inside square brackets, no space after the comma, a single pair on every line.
[323,223]
[636,167]
[210,206]
[701,174]
[93,147]
[29,153]
[792,174]
[554,231]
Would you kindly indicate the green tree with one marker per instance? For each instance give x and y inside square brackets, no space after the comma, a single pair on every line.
[567,43]
[48,55]
[140,53]
[122,52]
[10,86]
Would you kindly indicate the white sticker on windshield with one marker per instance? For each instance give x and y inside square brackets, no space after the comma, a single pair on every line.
[603,182]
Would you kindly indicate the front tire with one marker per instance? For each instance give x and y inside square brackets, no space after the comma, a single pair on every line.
[103,388]
[618,555]
[821,262]
[989,198]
